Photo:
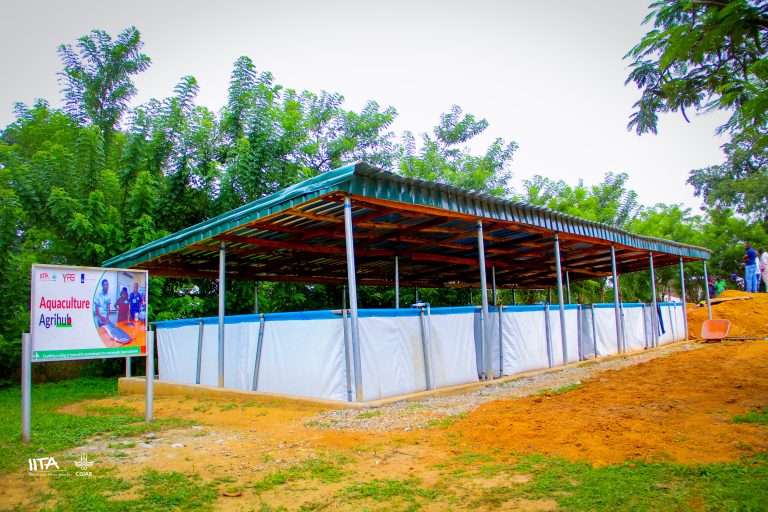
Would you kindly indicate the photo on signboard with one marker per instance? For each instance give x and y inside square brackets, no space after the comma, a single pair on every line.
[119,308]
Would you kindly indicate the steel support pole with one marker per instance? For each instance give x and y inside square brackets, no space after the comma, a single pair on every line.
[397,282]
[594,332]
[352,282]
[568,285]
[425,349]
[200,331]
[493,285]
[706,290]
[222,298]
[616,302]
[259,345]
[256,298]
[150,378]
[654,313]
[487,360]
[26,387]
[560,300]
[682,297]
[548,331]
[347,356]
[514,297]
[128,367]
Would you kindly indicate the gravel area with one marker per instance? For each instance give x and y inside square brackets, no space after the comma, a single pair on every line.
[408,415]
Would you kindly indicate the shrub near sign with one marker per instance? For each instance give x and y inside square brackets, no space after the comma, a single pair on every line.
[84,312]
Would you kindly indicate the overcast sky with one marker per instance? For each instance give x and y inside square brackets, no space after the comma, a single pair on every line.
[546,74]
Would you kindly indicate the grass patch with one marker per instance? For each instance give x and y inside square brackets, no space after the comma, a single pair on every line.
[628,486]
[156,492]
[320,469]
[759,416]
[392,492]
[560,390]
[54,431]
[368,414]
[445,422]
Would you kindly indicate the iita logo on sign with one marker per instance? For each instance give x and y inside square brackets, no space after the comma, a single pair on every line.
[46,276]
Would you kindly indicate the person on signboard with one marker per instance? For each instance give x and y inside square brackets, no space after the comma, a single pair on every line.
[122,306]
[136,300]
[101,303]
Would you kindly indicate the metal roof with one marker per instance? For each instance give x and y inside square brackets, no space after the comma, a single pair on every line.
[297,234]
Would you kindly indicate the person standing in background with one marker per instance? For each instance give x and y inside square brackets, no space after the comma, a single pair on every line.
[750,268]
[763,267]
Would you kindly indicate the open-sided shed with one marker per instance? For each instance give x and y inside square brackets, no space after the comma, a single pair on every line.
[362,225]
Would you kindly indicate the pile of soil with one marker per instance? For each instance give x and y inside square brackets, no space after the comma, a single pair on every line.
[679,408]
[748,315]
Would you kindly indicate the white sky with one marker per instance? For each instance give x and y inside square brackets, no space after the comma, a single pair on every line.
[546,74]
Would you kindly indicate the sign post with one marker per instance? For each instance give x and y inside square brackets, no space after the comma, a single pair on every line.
[26,387]
[84,313]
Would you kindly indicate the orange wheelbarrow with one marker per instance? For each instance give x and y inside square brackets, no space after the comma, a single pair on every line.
[715,329]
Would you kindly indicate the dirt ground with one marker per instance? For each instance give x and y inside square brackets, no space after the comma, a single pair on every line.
[673,408]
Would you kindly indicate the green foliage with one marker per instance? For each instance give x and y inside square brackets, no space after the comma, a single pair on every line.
[442,159]
[97,77]
[707,56]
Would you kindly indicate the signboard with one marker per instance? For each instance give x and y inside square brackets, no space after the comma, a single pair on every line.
[88,313]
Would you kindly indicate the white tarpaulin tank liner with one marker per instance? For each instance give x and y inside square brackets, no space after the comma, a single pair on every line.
[605,329]
[452,347]
[587,339]
[571,334]
[303,354]
[177,351]
[391,354]
[634,326]
[524,339]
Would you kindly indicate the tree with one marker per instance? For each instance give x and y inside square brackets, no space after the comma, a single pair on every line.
[97,83]
[442,159]
[707,55]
